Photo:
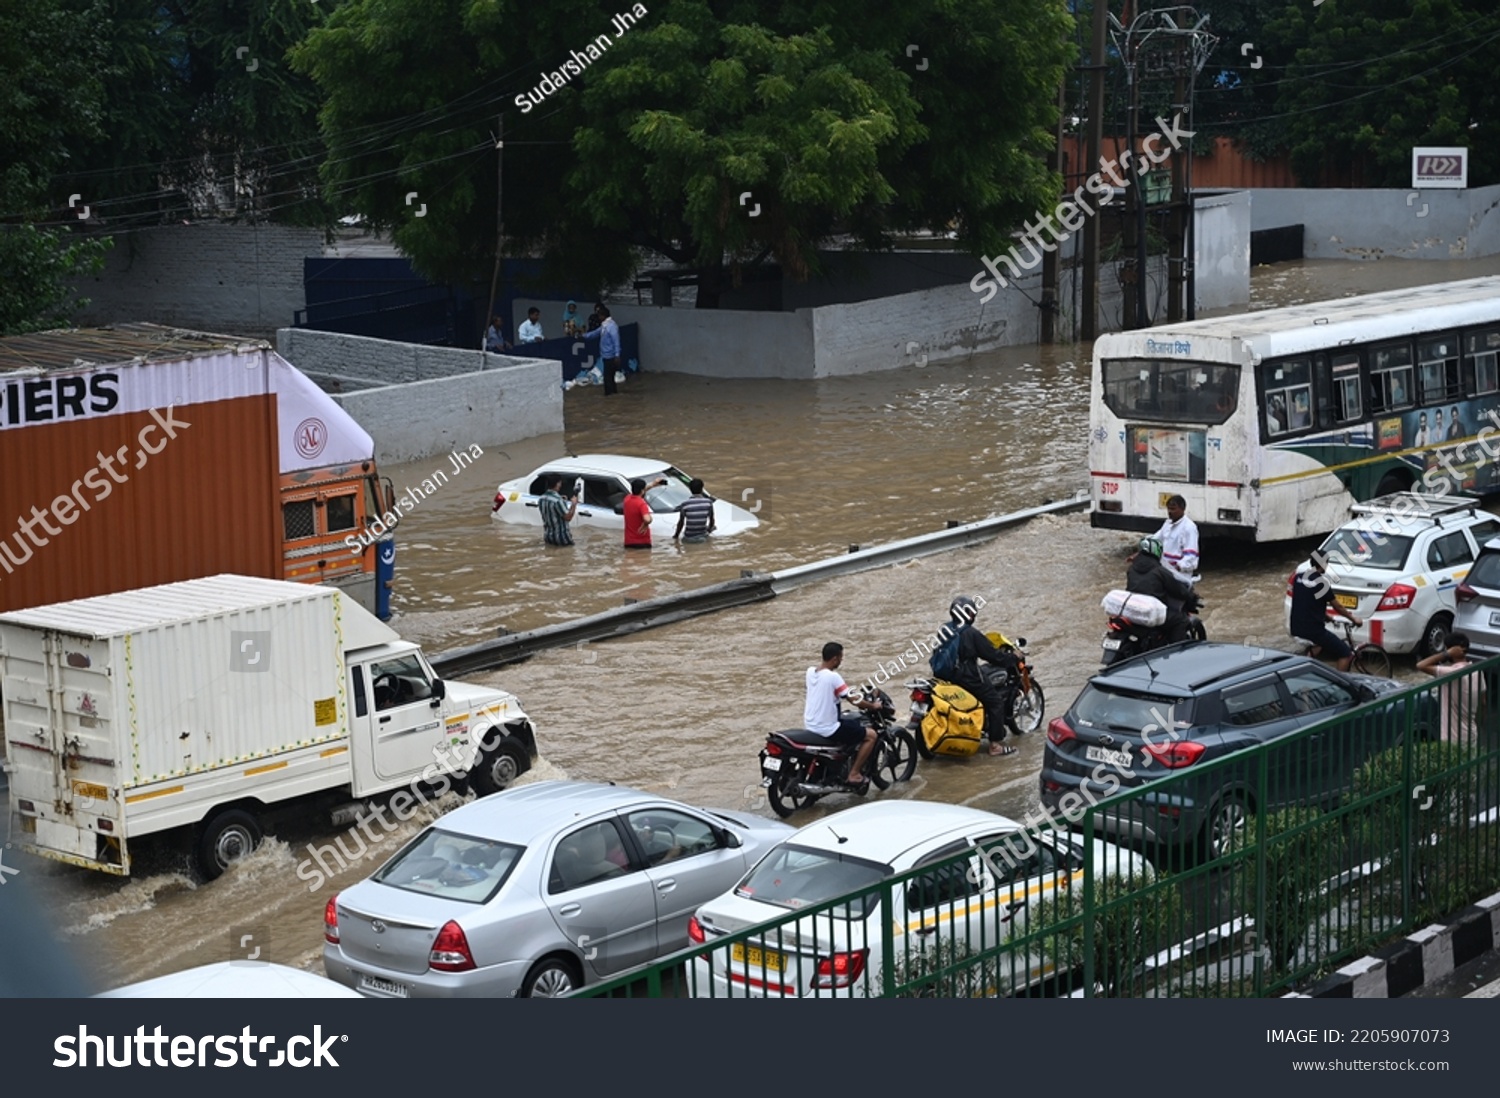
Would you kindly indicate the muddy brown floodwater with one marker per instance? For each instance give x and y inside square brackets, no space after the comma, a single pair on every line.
[683,710]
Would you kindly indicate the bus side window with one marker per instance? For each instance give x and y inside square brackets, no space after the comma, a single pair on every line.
[1347,407]
[1480,350]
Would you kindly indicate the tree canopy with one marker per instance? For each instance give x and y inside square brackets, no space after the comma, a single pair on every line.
[830,119]
[1347,88]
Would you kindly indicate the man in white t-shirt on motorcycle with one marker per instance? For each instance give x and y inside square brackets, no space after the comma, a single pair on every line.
[825,689]
[1179,542]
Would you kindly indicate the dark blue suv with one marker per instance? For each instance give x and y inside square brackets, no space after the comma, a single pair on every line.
[1177,710]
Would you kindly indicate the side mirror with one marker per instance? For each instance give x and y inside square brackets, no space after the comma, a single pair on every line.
[619,508]
[439,689]
[729,839]
[1020,642]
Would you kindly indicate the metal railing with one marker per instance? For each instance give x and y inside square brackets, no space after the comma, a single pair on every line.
[1250,875]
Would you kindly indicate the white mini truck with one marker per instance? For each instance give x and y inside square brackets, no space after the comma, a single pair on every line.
[205,704]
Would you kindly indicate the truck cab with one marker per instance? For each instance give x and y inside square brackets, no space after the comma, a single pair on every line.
[408,724]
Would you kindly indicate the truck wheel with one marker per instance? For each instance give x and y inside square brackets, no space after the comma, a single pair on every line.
[225,839]
[499,768]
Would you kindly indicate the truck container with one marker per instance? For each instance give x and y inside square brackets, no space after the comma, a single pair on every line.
[204,704]
[136,455]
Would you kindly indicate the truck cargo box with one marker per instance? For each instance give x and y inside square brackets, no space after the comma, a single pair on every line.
[172,699]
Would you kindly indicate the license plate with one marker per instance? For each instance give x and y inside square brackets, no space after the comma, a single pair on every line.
[1104,755]
[385,987]
[1495,617]
[1348,602]
[1112,644]
[755,957]
[770,762]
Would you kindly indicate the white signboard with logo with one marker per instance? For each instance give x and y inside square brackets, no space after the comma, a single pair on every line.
[314,429]
[1439,167]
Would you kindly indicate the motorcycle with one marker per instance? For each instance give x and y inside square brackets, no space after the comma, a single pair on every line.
[1124,639]
[1027,702]
[798,767]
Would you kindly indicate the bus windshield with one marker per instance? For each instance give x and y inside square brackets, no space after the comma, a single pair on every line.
[1183,392]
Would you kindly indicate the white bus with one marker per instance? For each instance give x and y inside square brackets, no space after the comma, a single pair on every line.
[1270,425]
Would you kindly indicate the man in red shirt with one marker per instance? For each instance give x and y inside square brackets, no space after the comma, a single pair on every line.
[638,514]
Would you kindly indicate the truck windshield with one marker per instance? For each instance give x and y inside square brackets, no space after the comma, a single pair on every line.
[456,867]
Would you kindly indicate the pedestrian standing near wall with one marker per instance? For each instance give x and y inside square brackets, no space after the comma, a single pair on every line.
[608,335]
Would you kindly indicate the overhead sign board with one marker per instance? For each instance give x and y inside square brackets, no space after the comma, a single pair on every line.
[1436,167]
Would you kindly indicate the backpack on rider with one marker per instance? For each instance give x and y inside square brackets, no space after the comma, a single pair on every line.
[954,723]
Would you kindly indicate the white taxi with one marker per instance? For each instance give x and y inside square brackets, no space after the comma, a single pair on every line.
[1397,564]
[937,919]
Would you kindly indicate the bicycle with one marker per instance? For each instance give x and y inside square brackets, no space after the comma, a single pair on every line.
[1369,657]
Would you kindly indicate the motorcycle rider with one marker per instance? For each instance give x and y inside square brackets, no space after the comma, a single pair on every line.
[821,716]
[974,646]
[1146,575]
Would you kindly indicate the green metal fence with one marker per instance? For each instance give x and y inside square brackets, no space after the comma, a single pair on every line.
[1247,876]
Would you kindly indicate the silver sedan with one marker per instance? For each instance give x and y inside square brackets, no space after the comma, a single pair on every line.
[537,891]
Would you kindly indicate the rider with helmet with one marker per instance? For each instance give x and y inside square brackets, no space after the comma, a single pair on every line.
[974,646]
[1146,575]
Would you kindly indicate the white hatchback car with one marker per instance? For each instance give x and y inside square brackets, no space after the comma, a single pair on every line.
[1398,563]
[605,482]
[968,906]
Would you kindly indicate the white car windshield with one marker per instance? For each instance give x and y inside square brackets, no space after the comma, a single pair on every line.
[668,496]
[795,877]
[1357,548]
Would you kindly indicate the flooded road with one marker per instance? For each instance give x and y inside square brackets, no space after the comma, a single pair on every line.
[683,710]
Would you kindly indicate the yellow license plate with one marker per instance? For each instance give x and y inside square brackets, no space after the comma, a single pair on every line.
[755,957]
[1162,497]
[1348,602]
[91,790]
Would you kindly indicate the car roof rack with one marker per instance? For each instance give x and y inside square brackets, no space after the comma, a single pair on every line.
[1415,505]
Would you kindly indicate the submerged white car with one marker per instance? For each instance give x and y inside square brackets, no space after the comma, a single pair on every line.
[605,484]
[939,917]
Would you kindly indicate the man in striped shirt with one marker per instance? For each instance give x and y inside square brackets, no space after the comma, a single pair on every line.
[695,518]
[556,514]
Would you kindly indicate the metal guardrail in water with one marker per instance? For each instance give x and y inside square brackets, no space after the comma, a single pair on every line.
[753,587]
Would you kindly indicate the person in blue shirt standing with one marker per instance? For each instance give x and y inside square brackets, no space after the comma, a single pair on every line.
[608,335]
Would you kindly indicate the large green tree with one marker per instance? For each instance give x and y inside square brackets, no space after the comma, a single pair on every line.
[1348,87]
[50,100]
[708,129]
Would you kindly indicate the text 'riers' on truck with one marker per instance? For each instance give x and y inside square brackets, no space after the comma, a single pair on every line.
[206,704]
[137,455]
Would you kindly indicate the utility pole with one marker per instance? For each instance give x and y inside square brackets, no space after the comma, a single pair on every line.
[1052,260]
[499,222]
[1093,227]
[1159,43]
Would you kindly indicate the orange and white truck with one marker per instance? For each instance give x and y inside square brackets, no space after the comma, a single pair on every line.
[137,455]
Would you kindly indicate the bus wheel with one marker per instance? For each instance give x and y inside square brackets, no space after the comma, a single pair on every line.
[1392,483]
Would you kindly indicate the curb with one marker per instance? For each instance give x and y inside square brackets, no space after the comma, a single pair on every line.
[1417,959]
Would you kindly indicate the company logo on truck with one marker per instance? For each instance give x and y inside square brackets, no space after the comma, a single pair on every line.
[43,399]
[312,436]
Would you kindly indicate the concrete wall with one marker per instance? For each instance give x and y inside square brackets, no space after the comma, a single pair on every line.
[419,401]
[1381,224]
[239,279]
[382,361]
[1221,250]
[944,321]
